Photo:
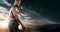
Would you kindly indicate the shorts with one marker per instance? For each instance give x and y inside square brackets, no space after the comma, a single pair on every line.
[13,26]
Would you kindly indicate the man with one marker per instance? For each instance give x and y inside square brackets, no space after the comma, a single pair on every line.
[13,24]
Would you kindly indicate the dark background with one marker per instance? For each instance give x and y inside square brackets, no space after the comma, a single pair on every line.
[47,8]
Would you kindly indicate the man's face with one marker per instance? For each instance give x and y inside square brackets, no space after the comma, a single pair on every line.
[17,2]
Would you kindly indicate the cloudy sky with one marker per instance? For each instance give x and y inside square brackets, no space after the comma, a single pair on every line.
[44,11]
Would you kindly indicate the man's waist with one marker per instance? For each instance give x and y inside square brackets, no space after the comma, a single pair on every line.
[12,18]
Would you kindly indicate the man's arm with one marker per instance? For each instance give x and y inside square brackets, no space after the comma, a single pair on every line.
[18,18]
[15,13]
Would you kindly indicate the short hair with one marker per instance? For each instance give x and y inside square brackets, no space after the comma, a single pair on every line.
[17,0]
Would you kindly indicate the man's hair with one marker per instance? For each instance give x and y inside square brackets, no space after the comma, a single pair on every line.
[17,2]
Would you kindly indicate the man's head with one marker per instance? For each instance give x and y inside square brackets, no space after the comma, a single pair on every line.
[17,2]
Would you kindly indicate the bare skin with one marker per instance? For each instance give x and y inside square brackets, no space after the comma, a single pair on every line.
[13,11]
[14,14]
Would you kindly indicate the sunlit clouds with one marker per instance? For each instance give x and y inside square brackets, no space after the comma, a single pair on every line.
[4,17]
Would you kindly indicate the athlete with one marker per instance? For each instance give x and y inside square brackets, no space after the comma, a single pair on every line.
[13,24]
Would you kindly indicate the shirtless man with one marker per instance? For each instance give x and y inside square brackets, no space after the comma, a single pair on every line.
[13,24]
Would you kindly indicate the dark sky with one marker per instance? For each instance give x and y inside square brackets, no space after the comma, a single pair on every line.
[46,8]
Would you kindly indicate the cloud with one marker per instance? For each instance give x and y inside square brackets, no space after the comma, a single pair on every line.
[5,2]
